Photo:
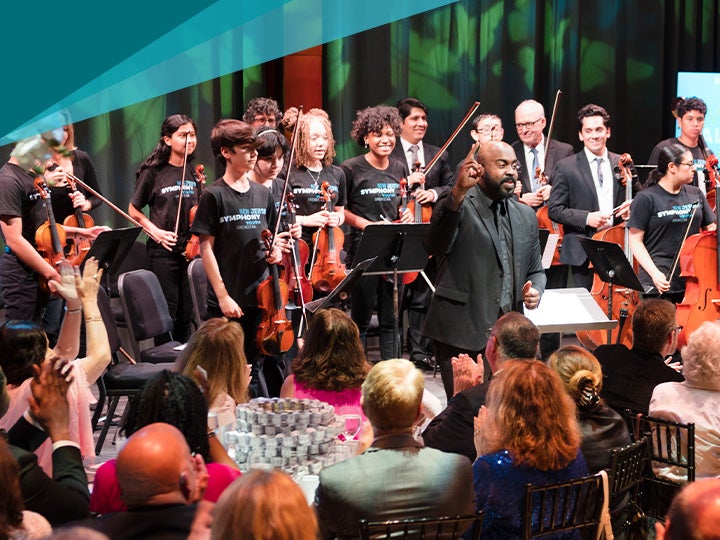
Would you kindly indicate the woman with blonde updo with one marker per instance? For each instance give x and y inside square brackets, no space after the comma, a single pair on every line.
[601,428]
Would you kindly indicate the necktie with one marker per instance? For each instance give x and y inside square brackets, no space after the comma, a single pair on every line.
[535,166]
[413,150]
[599,171]
[502,222]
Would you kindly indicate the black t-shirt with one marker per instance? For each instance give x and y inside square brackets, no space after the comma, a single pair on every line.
[237,220]
[372,193]
[697,155]
[306,186]
[19,198]
[664,217]
[84,169]
[159,189]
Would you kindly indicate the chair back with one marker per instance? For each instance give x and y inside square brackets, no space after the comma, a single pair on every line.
[197,277]
[626,468]
[109,320]
[440,527]
[564,506]
[672,443]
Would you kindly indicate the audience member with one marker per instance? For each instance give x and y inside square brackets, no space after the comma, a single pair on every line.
[396,477]
[264,505]
[694,513]
[630,375]
[63,497]
[217,348]
[601,428]
[514,336]
[176,400]
[332,364]
[695,400]
[527,434]
[15,522]
[23,345]
[161,483]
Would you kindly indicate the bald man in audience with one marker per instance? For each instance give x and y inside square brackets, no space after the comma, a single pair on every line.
[514,337]
[694,513]
[396,478]
[161,483]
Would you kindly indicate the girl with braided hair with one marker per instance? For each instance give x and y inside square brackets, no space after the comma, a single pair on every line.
[177,400]
[601,428]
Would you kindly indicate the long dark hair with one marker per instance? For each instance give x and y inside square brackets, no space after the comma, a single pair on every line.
[176,400]
[672,153]
[22,345]
[161,153]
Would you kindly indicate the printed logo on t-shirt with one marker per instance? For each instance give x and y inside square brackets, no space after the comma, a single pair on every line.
[679,212]
[188,188]
[313,193]
[246,218]
[382,191]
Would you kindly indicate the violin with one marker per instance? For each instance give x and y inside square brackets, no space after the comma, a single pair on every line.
[421,212]
[406,277]
[294,262]
[327,272]
[80,246]
[50,238]
[192,248]
[274,334]
[623,300]
[544,221]
[699,262]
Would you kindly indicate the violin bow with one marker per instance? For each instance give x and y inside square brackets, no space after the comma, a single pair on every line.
[687,230]
[182,183]
[550,130]
[429,165]
[293,147]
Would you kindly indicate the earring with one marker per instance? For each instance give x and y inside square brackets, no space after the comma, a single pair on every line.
[366,144]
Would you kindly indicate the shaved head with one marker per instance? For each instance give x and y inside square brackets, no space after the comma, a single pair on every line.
[695,513]
[154,466]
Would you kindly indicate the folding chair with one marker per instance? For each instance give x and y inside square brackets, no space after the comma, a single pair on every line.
[626,471]
[440,527]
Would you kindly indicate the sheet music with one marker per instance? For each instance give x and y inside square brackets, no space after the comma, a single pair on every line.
[550,245]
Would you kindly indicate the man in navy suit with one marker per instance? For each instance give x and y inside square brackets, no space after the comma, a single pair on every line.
[585,191]
[414,154]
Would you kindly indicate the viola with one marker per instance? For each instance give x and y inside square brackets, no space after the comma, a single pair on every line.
[623,300]
[421,212]
[192,248]
[328,271]
[274,334]
[80,246]
[50,237]
[294,262]
[407,277]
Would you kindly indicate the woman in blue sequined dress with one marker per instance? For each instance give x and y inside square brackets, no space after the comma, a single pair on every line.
[526,434]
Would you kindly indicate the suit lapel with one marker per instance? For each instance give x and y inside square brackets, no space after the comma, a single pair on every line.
[486,217]
[584,168]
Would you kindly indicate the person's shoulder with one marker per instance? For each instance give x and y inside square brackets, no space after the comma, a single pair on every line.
[354,162]
[569,161]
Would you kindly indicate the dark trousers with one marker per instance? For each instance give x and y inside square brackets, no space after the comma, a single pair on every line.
[171,271]
[416,301]
[582,275]
[367,291]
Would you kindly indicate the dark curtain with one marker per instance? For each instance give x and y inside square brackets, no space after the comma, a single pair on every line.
[621,54]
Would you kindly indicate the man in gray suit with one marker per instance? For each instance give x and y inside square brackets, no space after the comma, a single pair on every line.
[488,253]
[396,478]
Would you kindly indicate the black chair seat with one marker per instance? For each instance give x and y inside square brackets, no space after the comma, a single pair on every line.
[161,354]
[132,377]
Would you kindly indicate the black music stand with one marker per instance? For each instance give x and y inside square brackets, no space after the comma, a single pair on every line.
[612,267]
[110,249]
[342,291]
[398,249]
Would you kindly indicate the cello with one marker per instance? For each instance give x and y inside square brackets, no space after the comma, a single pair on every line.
[624,300]
[699,262]
[327,271]
[274,334]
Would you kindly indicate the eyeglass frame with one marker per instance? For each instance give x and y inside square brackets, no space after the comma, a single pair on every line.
[528,125]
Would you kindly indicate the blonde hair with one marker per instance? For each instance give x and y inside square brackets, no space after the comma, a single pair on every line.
[264,505]
[302,154]
[217,347]
[531,416]
[701,357]
[580,373]
[392,393]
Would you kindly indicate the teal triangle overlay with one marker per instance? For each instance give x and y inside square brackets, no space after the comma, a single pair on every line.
[241,38]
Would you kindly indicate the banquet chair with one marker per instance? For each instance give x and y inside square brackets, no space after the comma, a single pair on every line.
[440,527]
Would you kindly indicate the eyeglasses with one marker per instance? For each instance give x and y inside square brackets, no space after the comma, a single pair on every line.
[485,130]
[503,164]
[528,125]
[678,329]
[687,164]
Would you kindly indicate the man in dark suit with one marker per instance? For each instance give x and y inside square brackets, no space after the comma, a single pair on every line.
[414,154]
[530,123]
[530,149]
[585,192]
[161,484]
[514,337]
[396,478]
[488,254]
[64,497]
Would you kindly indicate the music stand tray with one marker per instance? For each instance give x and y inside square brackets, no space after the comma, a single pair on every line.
[341,292]
[111,247]
[395,246]
[611,264]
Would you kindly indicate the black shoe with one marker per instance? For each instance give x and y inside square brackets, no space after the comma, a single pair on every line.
[424,364]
